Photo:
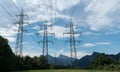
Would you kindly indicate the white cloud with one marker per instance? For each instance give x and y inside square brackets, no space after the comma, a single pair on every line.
[103,43]
[11,39]
[8,33]
[65,4]
[44,10]
[97,23]
[60,4]
[32,54]
[87,33]
[99,9]
[36,27]
[79,53]
[88,45]
[60,52]
[82,54]
[37,10]
[59,32]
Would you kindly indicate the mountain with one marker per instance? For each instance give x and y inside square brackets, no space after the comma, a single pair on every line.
[60,60]
[51,60]
[115,57]
[61,56]
[84,62]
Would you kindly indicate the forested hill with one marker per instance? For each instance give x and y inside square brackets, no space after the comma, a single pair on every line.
[87,61]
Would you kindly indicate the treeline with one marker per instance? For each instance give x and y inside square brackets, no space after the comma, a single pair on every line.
[104,62]
[27,62]
[9,61]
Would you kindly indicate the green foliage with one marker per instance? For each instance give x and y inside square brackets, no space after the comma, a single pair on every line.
[43,62]
[27,62]
[102,62]
[118,62]
[35,62]
[7,58]
[66,70]
[19,63]
[52,66]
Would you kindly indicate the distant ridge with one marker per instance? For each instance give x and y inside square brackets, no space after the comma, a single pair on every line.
[84,62]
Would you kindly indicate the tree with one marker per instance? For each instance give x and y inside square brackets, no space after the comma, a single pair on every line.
[35,62]
[118,61]
[7,57]
[27,62]
[43,62]
[102,61]
[19,62]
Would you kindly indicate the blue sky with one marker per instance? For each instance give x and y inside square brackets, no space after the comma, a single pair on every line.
[98,20]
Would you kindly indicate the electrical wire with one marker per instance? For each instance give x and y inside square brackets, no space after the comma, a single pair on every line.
[7,12]
[107,12]
[12,4]
[17,8]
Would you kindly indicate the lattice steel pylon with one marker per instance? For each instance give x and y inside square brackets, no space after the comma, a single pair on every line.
[72,42]
[45,40]
[19,39]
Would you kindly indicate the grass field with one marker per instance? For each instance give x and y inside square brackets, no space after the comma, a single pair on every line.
[64,71]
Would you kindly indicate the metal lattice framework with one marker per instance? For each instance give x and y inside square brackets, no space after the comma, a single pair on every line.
[72,42]
[19,40]
[45,40]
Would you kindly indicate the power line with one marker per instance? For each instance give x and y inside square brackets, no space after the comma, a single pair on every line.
[51,10]
[17,8]
[7,12]
[107,11]
[13,4]
[73,11]
[32,38]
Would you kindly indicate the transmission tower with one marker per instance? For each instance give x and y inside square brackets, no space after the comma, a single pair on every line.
[45,40]
[72,42]
[19,39]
